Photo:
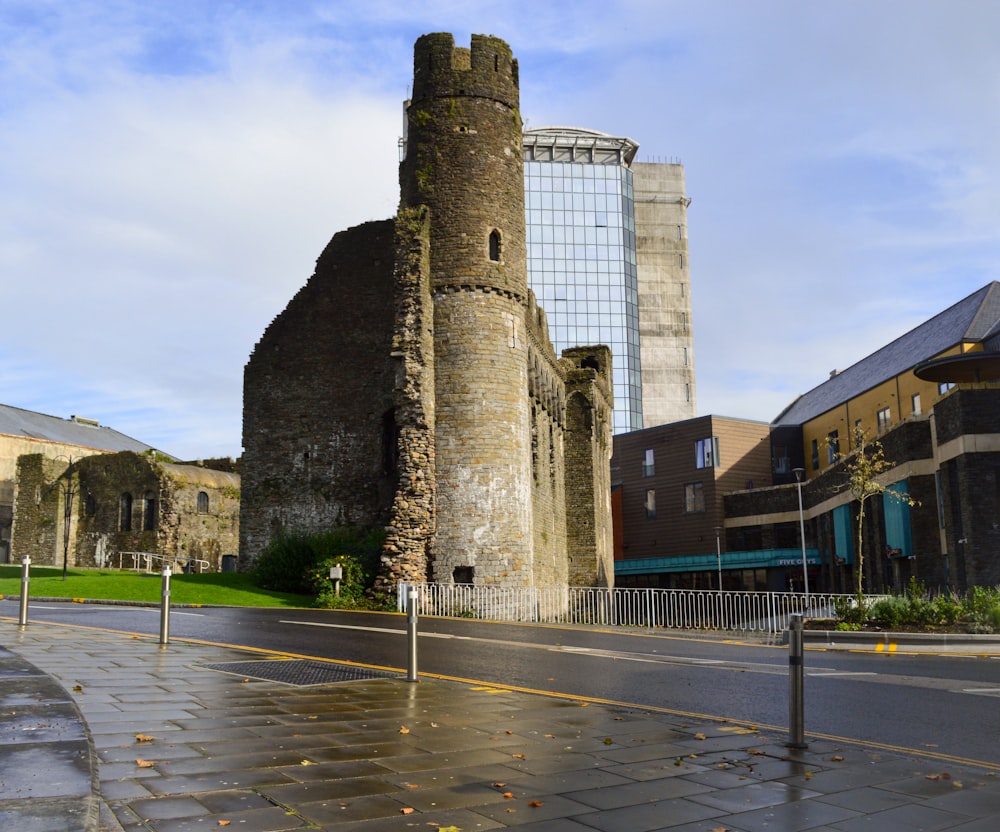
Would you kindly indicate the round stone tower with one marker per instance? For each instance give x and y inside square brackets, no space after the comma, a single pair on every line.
[464,162]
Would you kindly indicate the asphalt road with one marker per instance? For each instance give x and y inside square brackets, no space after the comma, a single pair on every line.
[946,704]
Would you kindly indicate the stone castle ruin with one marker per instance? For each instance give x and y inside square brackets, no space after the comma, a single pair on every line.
[411,383]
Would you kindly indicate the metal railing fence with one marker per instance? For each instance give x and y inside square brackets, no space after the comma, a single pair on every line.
[153,562]
[766,612]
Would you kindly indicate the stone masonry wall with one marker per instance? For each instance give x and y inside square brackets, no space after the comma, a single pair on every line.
[588,466]
[318,398]
[407,552]
[464,162]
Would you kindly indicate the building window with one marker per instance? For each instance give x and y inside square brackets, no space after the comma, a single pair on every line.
[694,498]
[944,387]
[680,261]
[650,504]
[149,512]
[706,452]
[685,353]
[680,232]
[90,505]
[202,502]
[884,419]
[125,512]
[815,454]
[832,447]
[648,465]
[915,404]
[495,246]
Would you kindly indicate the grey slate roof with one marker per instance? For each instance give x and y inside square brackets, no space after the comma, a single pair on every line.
[975,318]
[17,422]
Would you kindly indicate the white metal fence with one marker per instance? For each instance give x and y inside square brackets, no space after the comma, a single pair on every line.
[153,562]
[766,612]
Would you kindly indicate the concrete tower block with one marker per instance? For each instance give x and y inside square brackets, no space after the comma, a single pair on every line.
[464,161]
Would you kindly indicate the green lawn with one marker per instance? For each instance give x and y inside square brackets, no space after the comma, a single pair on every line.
[219,588]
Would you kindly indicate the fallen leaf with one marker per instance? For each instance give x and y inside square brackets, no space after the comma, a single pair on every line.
[550,736]
[508,795]
[77,688]
[403,729]
[509,732]
[411,785]
[435,725]
[536,803]
[756,752]
[517,756]
[837,759]
[308,763]
[608,741]
[808,775]
[699,736]
[245,681]
[720,829]
[499,785]
[144,763]
[144,738]
[406,810]
[956,784]
[511,811]
[447,828]
[224,822]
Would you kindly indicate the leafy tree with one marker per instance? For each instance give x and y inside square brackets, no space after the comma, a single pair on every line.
[864,480]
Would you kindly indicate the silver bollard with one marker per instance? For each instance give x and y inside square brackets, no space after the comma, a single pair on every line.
[796,670]
[165,607]
[25,580]
[411,632]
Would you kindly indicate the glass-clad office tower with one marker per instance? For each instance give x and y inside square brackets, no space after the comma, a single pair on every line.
[582,250]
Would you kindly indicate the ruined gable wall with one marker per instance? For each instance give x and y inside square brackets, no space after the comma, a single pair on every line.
[588,465]
[318,397]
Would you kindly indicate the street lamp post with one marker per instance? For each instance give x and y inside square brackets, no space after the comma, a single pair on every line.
[718,557]
[802,535]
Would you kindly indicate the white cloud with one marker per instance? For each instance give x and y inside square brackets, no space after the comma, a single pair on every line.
[169,172]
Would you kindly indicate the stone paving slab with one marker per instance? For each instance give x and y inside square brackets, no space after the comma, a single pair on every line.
[180,747]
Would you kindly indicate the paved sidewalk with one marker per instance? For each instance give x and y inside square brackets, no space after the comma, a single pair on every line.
[187,737]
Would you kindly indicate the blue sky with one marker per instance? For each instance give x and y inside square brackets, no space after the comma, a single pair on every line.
[170,171]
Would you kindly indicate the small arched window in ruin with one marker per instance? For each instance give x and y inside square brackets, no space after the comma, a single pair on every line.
[149,512]
[590,362]
[202,502]
[90,505]
[495,246]
[125,512]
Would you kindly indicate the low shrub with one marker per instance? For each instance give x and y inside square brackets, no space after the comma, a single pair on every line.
[300,562]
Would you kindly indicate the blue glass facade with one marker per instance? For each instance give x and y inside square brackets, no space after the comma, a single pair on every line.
[582,265]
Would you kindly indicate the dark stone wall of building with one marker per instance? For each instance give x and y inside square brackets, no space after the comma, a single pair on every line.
[966,411]
[588,473]
[318,398]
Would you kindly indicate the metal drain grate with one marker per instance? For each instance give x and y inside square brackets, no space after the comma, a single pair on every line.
[300,672]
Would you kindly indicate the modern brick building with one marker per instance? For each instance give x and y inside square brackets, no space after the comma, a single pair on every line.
[411,383]
[941,436]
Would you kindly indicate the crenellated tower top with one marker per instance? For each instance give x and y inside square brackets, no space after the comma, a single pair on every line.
[443,70]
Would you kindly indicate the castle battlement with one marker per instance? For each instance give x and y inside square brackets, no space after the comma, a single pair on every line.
[443,70]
